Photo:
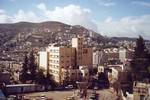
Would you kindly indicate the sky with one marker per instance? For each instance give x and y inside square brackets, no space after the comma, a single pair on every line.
[119,18]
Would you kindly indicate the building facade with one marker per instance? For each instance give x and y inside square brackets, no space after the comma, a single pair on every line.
[63,62]
[125,54]
[99,58]
[141,91]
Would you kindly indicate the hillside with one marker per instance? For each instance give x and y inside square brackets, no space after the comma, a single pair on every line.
[41,34]
[18,38]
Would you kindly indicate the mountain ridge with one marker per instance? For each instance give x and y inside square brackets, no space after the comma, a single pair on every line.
[48,32]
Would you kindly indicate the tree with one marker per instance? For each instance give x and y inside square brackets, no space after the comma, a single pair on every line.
[45,80]
[50,81]
[32,65]
[24,73]
[40,77]
[140,50]
[29,68]
[140,61]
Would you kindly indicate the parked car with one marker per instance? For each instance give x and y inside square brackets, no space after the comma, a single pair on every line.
[69,87]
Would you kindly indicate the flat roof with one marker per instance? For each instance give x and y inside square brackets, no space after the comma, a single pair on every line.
[15,85]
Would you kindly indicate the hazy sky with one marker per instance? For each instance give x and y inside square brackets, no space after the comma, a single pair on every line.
[128,18]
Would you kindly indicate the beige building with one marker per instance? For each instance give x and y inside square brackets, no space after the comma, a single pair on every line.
[73,75]
[87,56]
[60,58]
[141,91]
[83,55]
[63,62]
[77,43]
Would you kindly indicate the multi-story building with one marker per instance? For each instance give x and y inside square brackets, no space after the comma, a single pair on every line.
[141,91]
[112,53]
[63,62]
[87,54]
[60,58]
[77,43]
[99,58]
[125,54]
[43,60]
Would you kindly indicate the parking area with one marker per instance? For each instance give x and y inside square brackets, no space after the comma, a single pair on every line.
[106,94]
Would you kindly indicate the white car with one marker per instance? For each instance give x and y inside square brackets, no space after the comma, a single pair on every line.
[69,87]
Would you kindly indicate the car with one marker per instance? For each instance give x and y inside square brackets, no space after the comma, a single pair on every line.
[95,88]
[69,87]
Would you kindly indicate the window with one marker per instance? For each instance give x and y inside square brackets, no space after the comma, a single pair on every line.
[85,51]
[57,61]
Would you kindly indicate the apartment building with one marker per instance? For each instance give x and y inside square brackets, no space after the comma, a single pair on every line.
[99,58]
[63,62]
[125,54]
[87,57]
[112,53]
[141,91]
[43,60]
[60,58]
[77,43]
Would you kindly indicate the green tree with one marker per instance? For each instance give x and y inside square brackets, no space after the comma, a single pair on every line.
[32,65]
[140,50]
[40,77]
[24,73]
[45,80]
[140,61]
[50,81]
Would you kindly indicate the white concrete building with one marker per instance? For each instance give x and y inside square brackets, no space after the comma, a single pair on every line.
[99,58]
[43,60]
[84,72]
[125,54]
[113,75]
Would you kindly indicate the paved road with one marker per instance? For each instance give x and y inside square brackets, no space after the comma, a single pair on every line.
[106,94]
